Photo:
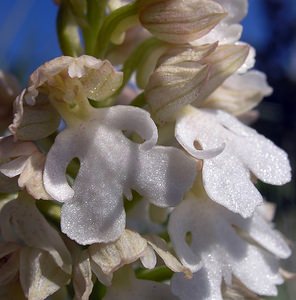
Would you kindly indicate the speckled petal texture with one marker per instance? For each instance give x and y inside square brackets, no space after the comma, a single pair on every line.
[224,251]
[226,177]
[111,165]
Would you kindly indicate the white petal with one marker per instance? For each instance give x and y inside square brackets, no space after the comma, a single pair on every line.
[199,287]
[112,256]
[10,148]
[226,177]
[170,261]
[263,233]
[39,275]
[236,10]
[13,155]
[239,93]
[228,30]
[148,259]
[21,221]
[224,33]
[14,167]
[221,250]
[33,120]
[82,275]
[110,166]
[31,177]
[264,269]
[250,60]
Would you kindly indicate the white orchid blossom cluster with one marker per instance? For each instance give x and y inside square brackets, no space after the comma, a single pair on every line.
[132,146]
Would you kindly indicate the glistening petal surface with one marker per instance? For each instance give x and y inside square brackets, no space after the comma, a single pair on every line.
[111,165]
[226,177]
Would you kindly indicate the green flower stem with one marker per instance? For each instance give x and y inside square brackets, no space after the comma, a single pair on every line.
[139,101]
[130,204]
[96,12]
[141,54]
[50,210]
[114,24]
[68,31]
[157,274]
[98,292]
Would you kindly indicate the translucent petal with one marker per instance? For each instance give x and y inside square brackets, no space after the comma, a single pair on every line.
[148,259]
[111,165]
[31,177]
[82,275]
[226,177]
[112,256]
[263,233]
[239,93]
[236,10]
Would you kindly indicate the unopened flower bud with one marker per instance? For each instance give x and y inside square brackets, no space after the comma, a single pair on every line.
[179,22]
[177,80]
[63,85]
[188,75]
[223,62]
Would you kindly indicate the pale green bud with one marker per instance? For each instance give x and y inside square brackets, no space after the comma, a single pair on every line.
[179,22]
[188,75]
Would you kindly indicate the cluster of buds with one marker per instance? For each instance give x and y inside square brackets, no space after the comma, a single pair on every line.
[91,189]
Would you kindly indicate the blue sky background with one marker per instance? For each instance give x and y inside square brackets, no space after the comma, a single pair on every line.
[27,31]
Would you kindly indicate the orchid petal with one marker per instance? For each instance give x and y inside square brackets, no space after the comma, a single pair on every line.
[226,177]
[222,253]
[228,30]
[110,257]
[21,221]
[110,166]
[40,276]
[82,276]
[239,93]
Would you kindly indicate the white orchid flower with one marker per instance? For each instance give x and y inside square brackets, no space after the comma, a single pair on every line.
[227,176]
[111,165]
[226,244]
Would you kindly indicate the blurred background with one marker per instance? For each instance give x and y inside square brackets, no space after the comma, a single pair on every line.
[28,39]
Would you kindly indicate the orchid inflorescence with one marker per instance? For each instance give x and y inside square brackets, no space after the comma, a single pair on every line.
[133,146]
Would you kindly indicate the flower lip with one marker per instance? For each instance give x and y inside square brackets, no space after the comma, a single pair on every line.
[226,177]
[160,174]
